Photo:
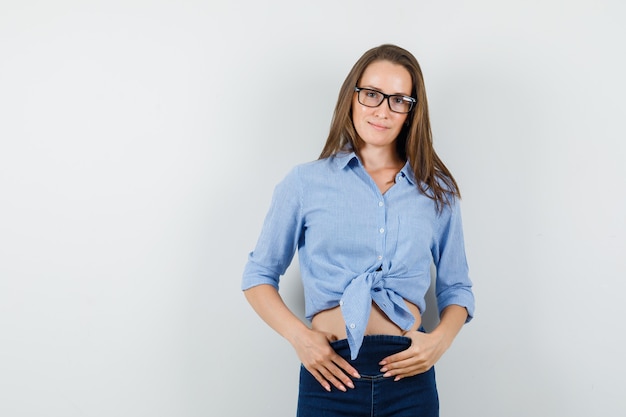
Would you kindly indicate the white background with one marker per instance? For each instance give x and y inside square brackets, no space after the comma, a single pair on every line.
[140,142]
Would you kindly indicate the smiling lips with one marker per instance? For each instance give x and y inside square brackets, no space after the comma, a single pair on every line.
[377,126]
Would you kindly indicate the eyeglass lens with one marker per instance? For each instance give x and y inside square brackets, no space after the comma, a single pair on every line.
[397,103]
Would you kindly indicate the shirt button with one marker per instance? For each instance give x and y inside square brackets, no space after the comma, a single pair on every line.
[382,230]
[380,204]
[352,325]
[340,302]
[380,257]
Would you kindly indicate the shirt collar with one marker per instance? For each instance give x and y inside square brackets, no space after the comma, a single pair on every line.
[407,172]
[343,158]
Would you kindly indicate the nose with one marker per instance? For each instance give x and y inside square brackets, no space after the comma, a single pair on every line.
[383,109]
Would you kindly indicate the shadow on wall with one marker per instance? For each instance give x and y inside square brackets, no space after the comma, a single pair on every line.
[430,318]
[292,291]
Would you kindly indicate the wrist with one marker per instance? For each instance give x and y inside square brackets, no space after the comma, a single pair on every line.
[443,336]
[297,333]
[452,319]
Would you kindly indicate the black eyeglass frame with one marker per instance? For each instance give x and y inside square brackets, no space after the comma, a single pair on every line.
[411,100]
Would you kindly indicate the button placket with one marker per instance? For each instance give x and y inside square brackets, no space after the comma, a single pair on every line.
[382,216]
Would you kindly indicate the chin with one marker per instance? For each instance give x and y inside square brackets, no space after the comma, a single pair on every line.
[378,143]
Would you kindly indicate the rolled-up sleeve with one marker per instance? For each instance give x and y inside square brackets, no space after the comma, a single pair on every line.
[279,236]
[453,285]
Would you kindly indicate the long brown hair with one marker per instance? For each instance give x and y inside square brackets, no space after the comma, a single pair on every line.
[414,143]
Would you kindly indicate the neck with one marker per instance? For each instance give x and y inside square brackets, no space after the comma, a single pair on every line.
[375,158]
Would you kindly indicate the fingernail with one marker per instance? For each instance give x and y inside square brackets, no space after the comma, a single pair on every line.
[386,374]
[382,363]
[356,375]
[383,369]
[351,385]
[343,388]
[327,388]
[396,379]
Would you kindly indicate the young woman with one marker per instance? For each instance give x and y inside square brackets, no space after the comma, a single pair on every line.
[368,218]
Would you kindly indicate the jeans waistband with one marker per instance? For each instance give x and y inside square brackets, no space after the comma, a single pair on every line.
[373,350]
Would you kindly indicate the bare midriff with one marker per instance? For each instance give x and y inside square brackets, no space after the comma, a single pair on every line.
[331,321]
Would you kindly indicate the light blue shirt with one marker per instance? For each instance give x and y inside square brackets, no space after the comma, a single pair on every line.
[356,245]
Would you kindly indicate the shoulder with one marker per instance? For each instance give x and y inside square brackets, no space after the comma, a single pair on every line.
[320,167]
[299,175]
[443,190]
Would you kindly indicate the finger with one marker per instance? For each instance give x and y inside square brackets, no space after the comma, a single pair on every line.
[339,373]
[416,371]
[347,368]
[330,377]
[398,357]
[412,365]
[318,376]
[404,372]
[407,371]
[396,368]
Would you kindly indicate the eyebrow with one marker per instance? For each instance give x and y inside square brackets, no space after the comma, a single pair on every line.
[379,90]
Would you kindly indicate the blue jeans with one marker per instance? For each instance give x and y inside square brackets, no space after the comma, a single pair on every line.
[373,395]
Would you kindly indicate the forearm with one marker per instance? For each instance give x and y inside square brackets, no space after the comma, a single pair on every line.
[452,319]
[312,347]
[269,305]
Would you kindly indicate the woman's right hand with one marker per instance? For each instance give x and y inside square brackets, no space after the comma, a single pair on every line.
[312,346]
[319,358]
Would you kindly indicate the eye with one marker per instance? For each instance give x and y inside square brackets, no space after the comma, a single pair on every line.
[372,94]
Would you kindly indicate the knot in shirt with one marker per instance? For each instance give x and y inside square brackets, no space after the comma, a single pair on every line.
[356,306]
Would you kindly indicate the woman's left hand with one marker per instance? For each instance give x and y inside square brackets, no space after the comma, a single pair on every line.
[424,352]
[426,348]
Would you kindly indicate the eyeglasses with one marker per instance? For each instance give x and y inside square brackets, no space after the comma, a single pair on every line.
[398,103]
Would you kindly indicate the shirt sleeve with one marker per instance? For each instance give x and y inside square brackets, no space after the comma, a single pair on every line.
[453,285]
[279,236]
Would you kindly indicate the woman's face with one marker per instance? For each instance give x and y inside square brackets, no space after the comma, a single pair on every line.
[379,126]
